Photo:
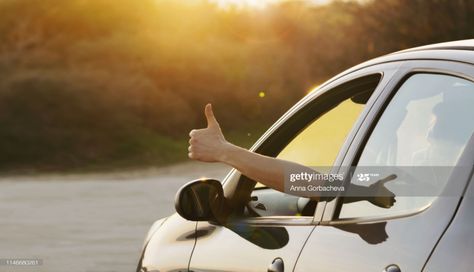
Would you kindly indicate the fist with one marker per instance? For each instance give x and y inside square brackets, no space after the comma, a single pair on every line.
[207,144]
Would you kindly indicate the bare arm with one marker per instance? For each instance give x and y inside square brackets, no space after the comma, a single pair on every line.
[209,145]
[266,170]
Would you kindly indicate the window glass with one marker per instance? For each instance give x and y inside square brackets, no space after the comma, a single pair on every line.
[421,135]
[316,145]
[319,143]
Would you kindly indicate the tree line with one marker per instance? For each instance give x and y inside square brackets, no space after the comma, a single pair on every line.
[87,83]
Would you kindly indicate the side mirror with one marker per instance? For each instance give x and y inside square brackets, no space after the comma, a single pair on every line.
[200,200]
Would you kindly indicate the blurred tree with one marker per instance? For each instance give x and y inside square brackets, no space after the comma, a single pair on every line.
[91,82]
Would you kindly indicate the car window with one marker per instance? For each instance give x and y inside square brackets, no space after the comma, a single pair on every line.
[316,145]
[319,143]
[416,143]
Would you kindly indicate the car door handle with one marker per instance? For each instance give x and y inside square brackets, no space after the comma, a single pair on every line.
[260,206]
[277,265]
[392,268]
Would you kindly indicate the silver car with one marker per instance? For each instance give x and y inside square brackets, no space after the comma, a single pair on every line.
[412,110]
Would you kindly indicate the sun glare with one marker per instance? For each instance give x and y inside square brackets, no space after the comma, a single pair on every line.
[244,3]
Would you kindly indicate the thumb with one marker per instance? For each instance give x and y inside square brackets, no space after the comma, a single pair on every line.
[388,178]
[211,119]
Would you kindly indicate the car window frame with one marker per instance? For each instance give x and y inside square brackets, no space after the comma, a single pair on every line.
[232,186]
[406,70]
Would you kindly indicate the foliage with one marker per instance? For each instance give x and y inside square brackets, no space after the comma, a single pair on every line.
[95,82]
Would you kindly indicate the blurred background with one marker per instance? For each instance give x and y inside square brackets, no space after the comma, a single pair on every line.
[97,98]
[94,84]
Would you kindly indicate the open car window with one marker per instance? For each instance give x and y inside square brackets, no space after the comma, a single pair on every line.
[323,128]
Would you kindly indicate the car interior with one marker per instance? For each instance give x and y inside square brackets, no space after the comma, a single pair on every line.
[251,199]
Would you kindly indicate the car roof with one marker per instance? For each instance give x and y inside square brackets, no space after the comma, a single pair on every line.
[457,51]
[454,45]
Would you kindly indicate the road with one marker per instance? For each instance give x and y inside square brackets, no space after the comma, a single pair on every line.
[89,222]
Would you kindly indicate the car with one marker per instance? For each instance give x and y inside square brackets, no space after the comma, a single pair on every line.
[411,112]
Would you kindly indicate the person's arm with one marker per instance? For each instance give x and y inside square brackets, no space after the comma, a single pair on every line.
[267,170]
[209,145]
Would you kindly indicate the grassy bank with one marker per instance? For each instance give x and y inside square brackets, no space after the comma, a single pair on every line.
[149,150]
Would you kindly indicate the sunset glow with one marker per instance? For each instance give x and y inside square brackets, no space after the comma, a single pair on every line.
[258,4]
[244,3]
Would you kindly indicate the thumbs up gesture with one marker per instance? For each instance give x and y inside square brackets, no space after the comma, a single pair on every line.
[207,144]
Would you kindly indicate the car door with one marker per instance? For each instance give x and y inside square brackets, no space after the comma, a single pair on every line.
[419,131]
[272,226]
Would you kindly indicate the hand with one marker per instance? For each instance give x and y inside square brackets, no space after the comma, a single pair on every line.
[381,196]
[207,144]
